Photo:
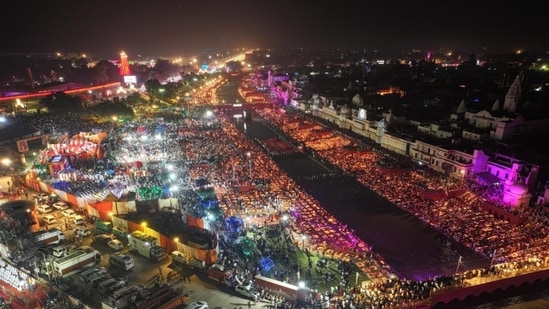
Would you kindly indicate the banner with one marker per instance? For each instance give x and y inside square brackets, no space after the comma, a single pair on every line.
[22,145]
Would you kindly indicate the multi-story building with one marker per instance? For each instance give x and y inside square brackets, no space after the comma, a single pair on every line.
[449,147]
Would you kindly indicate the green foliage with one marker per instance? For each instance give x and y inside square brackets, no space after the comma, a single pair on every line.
[234,65]
[62,103]
[134,99]
[153,86]
[109,109]
[104,71]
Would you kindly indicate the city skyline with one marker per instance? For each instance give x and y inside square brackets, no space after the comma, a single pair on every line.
[178,27]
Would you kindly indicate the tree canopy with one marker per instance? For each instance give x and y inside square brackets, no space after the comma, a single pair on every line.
[60,102]
[109,109]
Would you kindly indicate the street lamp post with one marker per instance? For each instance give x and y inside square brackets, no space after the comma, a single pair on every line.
[458,264]
[250,162]
[249,155]
[492,260]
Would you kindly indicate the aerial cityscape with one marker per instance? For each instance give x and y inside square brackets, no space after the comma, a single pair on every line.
[274,155]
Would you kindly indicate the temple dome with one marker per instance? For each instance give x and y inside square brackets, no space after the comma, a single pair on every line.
[357,100]
[345,110]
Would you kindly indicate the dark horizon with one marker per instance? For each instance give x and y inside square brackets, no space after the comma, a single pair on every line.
[104,28]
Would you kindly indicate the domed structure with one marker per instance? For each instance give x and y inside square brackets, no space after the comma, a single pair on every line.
[345,110]
[357,100]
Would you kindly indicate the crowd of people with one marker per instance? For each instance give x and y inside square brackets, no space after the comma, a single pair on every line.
[144,154]
[461,217]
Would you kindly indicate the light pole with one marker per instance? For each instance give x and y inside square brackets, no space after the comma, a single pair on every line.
[493,257]
[250,169]
[173,189]
[248,219]
[458,264]
[284,220]
[249,155]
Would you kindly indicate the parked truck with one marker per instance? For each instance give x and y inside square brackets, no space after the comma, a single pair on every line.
[93,276]
[120,234]
[49,237]
[288,291]
[218,273]
[77,261]
[103,227]
[192,262]
[146,245]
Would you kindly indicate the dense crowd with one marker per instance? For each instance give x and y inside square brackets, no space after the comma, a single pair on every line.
[144,154]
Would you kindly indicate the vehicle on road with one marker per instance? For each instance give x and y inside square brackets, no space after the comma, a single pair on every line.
[93,276]
[76,261]
[247,291]
[82,231]
[181,258]
[49,237]
[68,212]
[218,273]
[61,250]
[103,227]
[44,209]
[102,239]
[49,219]
[77,219]
[60,205]
[146,245]
[115,244]
[198,305]
[288,291]
[121,260]
[111,284]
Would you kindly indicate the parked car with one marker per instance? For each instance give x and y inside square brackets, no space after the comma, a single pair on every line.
[198,305]
[83,231]
[60,205]
[111,284]
[115,244]
[49,219]
[44,209]
[102,239]
[68,212]
[77,219]
[247,291]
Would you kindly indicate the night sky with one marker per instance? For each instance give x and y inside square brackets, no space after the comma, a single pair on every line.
[183,27]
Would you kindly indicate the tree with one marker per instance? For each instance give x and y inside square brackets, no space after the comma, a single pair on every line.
[134,100]
[61,103]
[109,109]
[164,70]
[104,72]
[153,87]
[234,66]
